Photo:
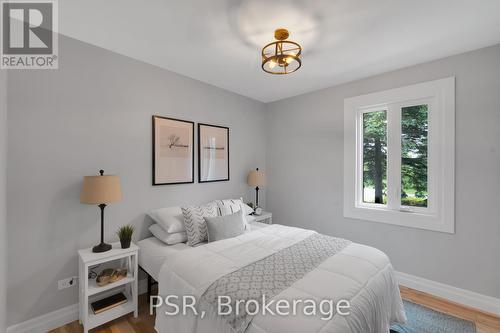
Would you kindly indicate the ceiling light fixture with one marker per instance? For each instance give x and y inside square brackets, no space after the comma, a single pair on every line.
[282,56]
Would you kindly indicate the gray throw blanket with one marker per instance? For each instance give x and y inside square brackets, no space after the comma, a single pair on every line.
[270,276]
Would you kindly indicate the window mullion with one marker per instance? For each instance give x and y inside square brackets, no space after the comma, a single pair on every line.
[394,157]
[359,158]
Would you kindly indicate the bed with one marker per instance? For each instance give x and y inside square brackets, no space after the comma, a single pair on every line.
[360,274]
[153,253]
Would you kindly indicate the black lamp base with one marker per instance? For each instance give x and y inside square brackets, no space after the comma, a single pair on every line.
[103,247]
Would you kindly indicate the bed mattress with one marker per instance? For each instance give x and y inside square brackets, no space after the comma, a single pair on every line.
[360,274]
[153,253]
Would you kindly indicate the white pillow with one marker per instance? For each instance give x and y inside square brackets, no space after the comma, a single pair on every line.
[168,238]
[250,218]
[246,208]
[231,206]
[170,219]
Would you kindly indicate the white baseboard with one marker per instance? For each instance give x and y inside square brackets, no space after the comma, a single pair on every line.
[489,304]
[465,297]
[47,322]
[58,318]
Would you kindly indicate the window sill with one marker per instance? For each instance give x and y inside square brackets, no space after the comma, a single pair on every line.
[410,219]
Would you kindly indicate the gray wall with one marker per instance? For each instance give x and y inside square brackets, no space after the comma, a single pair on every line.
[3,198]
[92,113]
[95,112]
[305,168]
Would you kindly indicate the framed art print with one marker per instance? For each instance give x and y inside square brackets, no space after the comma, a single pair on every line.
[213,153]
[173,151]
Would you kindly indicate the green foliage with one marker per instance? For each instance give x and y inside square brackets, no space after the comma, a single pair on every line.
[414,202]
[125,232]
[375,153]
[414,141]
[414,130]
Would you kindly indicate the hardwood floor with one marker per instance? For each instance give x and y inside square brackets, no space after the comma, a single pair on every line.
[485,322]
[144,323]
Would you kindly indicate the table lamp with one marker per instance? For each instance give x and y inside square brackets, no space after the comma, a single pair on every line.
[256,178]
[101,190]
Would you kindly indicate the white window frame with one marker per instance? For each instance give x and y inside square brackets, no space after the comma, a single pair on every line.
[439,95]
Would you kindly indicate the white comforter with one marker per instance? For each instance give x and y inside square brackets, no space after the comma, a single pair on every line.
[360,274]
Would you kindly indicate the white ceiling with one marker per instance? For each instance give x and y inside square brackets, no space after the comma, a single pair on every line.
[219,41]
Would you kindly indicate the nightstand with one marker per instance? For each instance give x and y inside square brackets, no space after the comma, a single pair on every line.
[90,292]
[265,217]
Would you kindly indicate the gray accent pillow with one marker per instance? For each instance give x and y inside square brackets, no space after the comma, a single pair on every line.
[196,227]
[227,226]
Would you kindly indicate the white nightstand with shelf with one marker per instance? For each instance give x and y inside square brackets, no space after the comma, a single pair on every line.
[89,291]
[265,217]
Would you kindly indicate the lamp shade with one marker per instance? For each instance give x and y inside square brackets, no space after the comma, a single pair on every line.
[256,178]
[98,190]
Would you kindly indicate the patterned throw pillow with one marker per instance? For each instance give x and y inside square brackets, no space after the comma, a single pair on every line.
[194,220]
[231,206]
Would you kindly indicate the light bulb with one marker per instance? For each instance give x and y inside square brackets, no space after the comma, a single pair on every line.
[288,60]
[272,64]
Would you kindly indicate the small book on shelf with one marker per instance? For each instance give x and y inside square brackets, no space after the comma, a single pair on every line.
[108,303]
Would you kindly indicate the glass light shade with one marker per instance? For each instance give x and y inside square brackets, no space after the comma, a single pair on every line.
[281,56]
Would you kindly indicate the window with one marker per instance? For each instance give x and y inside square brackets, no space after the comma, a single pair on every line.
[375,157]
[414,128]
[399,156]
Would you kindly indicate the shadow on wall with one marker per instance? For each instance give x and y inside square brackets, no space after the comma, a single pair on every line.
[254,22]
[142,224]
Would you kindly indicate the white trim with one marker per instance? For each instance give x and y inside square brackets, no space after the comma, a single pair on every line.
[465,297]
[47,321]
[439,216]
[58,318]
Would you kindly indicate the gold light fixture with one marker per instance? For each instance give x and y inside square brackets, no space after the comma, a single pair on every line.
[282,56]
